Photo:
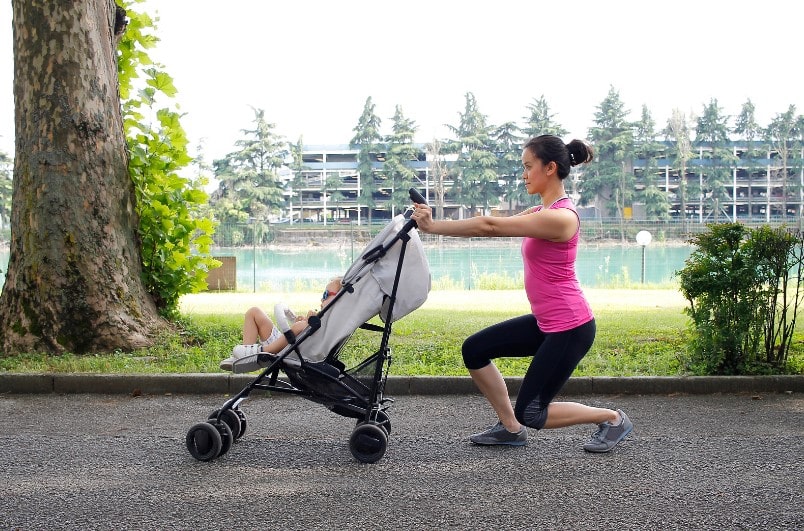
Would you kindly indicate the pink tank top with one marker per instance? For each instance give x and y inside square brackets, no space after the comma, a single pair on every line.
[552,287]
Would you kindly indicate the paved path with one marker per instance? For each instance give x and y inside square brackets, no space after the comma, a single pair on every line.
[94,461]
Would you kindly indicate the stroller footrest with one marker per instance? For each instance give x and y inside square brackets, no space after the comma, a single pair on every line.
[253,362]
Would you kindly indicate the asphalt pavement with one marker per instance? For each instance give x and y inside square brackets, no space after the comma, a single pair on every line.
[709,460]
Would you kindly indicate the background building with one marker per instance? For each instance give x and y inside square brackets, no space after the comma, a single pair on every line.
[762,187]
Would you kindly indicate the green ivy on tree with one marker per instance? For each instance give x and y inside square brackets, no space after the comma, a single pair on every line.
[175,236]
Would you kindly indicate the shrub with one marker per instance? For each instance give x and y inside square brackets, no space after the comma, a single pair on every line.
[738,283]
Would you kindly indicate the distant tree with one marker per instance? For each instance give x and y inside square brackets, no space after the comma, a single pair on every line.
[298,179]
[474,175]
[611,176]
[781,134]
[331,192]
[438,174]
[367,140]
[250,186]
[712,132]
[400,152]
[541,121]
[5,189]
[746,127]
[648,149]
[797,159]
[678,134]
[507,143]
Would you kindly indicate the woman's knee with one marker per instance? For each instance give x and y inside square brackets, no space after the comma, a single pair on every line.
[533,414]
[473,357]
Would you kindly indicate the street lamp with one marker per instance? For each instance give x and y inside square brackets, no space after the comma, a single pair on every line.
[643,238]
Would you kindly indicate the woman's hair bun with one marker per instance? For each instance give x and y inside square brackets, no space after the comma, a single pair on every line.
[580,152]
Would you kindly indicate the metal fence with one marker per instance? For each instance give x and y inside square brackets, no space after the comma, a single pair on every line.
[592,230]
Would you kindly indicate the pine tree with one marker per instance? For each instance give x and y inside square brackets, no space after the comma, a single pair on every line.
[367,140]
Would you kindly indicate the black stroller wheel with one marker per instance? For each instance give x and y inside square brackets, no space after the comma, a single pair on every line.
[368,443]
[204,441]
[226,435]
[243,423]
[381,419]
[231,419]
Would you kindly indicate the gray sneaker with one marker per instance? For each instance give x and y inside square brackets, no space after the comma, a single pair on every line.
[609,435]
[497,434]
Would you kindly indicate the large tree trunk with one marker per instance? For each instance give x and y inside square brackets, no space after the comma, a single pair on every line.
[73,281]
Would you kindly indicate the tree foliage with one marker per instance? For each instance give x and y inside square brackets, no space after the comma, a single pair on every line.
[175,235]
[541,120]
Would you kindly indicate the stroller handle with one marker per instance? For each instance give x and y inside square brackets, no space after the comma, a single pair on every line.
[378,251]
[416,197]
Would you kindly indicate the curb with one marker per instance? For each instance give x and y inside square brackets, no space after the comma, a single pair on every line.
[227,384]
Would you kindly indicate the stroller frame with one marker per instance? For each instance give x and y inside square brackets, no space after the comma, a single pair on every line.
[344,394]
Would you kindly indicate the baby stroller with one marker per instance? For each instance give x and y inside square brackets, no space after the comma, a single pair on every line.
[390,279]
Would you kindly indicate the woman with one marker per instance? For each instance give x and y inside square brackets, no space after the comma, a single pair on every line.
[561,328]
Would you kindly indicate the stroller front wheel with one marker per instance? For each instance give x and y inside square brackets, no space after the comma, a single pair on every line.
[227,439]
[368,443]
[243,423]
[204,441]
[381,419]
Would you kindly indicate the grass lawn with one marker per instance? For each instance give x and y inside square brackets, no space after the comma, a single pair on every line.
[640,332]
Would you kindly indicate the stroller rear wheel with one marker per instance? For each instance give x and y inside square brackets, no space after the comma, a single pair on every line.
[204,441]
[368,443]
[381,419]
[232,419]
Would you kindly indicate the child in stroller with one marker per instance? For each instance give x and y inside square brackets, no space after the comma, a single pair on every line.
[257,325]
[390,279]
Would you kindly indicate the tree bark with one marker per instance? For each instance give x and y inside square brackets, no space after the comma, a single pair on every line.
[74,275]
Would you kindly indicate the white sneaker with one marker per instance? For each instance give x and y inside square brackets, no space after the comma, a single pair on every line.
[240,351]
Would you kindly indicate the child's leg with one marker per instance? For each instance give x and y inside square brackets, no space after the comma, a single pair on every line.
[256,326]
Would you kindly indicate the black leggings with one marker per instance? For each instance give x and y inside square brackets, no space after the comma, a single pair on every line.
[555,356]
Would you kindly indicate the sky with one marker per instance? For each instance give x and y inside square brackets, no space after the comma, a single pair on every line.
[311,64]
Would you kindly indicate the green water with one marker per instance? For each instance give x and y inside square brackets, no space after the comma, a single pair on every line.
[465,267]
[461,267]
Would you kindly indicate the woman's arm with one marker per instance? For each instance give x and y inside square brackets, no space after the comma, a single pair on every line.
[558,224]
